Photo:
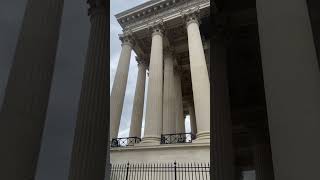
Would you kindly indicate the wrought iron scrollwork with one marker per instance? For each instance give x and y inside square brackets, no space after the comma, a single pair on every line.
[123,142]
[177,138]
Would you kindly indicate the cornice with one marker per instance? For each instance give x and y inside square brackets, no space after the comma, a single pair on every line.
[172,11]
[138,8]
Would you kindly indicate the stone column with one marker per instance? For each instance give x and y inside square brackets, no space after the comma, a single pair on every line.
[26,97]
[292,86]
[153,124]
[220,113]
[119,84]
[169,94]
[90,146]
[138,101]
[180,127]
[199,75]
[193,123]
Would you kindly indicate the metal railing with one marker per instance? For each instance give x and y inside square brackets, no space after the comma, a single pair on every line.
[161,171]
[177,138]
[123,142]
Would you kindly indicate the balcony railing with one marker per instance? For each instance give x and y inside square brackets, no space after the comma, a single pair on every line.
[123,142]
[177,138]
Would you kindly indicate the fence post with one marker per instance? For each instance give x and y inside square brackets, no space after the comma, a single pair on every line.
[175,170]
[127,171]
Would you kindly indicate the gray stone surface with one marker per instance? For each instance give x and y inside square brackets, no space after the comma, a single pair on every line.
[26,97]
[90,147]
[292,86]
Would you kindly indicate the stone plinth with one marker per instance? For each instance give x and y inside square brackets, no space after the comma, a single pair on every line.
[187,152]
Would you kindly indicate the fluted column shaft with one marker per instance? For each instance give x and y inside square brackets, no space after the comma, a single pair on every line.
[26,97]
[193,123]
[89,151]
[199,76]
[180,127]
[153,124]
[220,113]
[292,85]
[119,85]
[169,94]
[138,102]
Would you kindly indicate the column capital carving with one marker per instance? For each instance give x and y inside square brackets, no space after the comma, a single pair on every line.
[127,38]
[168,51]
[97,7]
[141,62]
[156,27]
[191,15]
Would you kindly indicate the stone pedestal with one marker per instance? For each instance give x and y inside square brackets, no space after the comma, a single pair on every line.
[138,101]
[292,86]
[26,97]
[119,85]
[153,124]
[90,146]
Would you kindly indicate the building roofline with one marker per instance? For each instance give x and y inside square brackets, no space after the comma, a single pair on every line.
[139,8]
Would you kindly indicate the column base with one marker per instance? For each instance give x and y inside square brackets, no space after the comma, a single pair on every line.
[202,137]
[149,141]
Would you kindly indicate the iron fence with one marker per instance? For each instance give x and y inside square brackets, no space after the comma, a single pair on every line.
[177,138]
[161,171]
[122,142]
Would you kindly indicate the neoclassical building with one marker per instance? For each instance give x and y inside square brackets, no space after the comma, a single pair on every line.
[264,83]
[171,41]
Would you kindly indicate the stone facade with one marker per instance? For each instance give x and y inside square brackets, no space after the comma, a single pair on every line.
[166,36]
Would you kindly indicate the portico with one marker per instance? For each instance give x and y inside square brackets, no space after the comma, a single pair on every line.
[171,46]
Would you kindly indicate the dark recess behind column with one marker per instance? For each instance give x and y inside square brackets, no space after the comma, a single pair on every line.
[314,13]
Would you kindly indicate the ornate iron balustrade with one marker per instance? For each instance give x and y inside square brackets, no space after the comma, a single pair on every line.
[177,138]
[161,171]
[123,142]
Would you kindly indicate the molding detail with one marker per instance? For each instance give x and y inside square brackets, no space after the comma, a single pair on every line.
[171,13]
[127,38]
[191,16]
[157,27]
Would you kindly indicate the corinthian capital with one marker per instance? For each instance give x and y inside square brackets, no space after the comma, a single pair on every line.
[127,38]
[97,6]
[141,62]
[156,27]
[168,51]
[191,15]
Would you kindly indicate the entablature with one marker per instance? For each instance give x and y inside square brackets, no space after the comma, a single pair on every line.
[139,18]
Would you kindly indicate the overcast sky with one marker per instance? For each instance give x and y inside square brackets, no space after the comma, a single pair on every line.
[65,91]
[117,6]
